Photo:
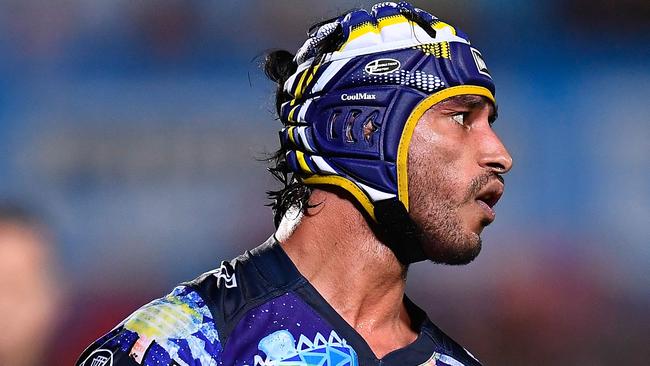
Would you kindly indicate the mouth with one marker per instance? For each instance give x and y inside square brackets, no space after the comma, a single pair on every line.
[488,198]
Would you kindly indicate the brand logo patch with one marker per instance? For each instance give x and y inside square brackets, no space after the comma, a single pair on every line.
[480,63]
[358,96]
[226,275]
[100,357]
[382,66]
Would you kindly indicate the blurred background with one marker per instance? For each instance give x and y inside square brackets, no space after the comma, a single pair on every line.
[131,133]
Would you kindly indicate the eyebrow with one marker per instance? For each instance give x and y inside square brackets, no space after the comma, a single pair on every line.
[471,102]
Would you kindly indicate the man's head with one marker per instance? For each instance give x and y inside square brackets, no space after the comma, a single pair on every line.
[356,100]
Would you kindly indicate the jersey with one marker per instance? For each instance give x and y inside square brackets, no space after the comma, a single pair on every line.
[257,310]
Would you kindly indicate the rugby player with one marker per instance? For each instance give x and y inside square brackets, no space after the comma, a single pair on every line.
[388,158]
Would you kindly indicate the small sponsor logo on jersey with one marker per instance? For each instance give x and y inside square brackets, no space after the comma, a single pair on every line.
[382,66]
[225,273]
[359,96]
[480,63]
[100,357]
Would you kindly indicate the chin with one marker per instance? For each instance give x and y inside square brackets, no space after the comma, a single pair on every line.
[456,250]
[448,234]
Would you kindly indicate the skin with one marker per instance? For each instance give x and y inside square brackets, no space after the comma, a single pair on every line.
[29,295]
[450,164]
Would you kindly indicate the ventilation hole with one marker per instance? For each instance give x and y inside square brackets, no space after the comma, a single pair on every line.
[333,134]
[369,127]
[349,123]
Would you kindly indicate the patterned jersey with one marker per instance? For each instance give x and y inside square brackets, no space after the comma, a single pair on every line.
[257,310]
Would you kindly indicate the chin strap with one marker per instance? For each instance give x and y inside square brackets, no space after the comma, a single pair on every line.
[399,231]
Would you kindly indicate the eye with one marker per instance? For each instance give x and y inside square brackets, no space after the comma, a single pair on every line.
[459,118]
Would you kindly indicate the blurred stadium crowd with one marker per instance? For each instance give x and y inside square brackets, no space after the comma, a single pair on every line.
[135,130]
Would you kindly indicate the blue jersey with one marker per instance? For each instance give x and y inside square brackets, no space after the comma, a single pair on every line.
[257,310]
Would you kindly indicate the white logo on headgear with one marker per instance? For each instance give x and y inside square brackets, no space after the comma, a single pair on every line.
[358,96]
[480,63]
[382,66]
[100,357]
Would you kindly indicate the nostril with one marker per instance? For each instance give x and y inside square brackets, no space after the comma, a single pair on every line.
[497,167]
[499,163]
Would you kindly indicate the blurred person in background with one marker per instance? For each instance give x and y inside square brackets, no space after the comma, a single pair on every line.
[30,292]
[388,158]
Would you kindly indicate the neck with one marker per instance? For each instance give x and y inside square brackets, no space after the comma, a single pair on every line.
[333,247]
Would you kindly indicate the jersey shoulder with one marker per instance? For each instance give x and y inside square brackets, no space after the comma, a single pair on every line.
[246,282]
[192,324]
[177,329]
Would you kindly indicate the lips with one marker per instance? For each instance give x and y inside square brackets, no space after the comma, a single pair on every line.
[488,197]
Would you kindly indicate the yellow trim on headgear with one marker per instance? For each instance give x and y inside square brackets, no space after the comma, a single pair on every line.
[439,25]
[312,73]
[360,30]
[392,20]
[298,90]
[290,133]
[301,161]
[346,184]
[411,122]
[291,113]
[369,27]
[305,79]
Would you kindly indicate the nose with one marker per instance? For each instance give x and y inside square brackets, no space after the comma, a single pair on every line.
[493,154]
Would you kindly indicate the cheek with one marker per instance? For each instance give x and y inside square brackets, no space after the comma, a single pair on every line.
[429,144]
[434,164]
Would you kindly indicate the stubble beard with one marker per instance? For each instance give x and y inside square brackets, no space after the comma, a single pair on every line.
[436,214]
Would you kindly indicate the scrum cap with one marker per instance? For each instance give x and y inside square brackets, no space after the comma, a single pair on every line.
[353,110]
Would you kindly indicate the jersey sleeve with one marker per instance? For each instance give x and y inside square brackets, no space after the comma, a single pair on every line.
[177,329]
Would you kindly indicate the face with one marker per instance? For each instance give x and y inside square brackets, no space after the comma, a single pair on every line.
[455,164]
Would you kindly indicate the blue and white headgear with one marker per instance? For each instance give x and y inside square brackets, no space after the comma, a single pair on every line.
[353,111]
